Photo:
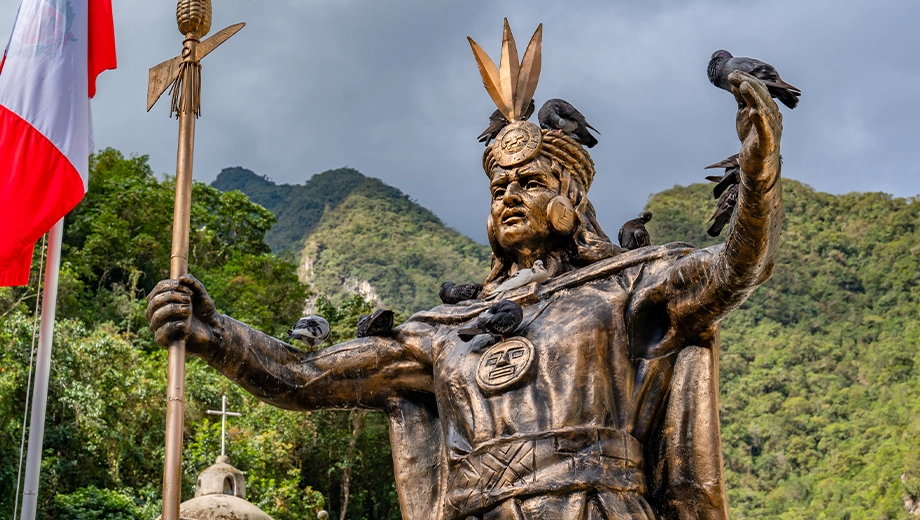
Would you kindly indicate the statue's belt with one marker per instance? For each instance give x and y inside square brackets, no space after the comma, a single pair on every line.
[561,461]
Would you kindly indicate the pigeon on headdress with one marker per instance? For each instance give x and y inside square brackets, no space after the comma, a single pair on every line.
[731,176]
[559,114]
[724,210]
[633,234]
[501,319]
[452,293]
[312,330]
[497,121]
[723,63]
[522,277]
[378,323]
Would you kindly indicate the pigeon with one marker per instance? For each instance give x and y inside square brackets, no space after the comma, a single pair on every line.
[537,273]
[378,323]
[559,114]
[312,330]
[633,234]
[724,210]
[452,293]
[723,63]
[501,319]
[497,121]
[731,175]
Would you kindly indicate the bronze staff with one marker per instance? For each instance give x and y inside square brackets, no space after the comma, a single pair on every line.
[183,73]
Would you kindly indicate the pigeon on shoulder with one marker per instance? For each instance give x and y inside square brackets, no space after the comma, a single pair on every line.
[452,293]
[633,234]
[312,330]
[497,121]
[522,277]
[559,114]
[378,323]
[501,319]
[723,63]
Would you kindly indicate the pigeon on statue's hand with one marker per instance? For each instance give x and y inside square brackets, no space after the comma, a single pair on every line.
[312,330]
[497,121]
[452,293]
[559,114]
[501,319]
[723,63]
[378,323]
[537,273]
[633,234]
[731,176]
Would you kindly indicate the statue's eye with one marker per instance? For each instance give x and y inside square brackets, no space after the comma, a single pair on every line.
[533,185]
[498,192]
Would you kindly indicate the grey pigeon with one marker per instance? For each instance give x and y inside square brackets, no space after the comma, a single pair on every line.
[312,330]
[633,234]
[723,63]
[559,114]
[501,319]
[724,210]
[497,121]
[452,293]
[731,176]
[378,323]
[537,273]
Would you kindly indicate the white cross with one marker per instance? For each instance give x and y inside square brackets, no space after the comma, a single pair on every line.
[223,413]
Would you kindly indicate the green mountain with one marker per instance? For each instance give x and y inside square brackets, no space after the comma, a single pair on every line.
[356,234]
[819,372]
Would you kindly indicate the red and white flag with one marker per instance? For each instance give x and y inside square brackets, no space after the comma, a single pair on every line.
[47,76]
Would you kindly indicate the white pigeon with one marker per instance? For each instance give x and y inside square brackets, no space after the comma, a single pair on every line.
[312,330]
[537,273]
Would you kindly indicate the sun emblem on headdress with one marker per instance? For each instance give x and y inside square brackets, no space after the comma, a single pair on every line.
[511,87]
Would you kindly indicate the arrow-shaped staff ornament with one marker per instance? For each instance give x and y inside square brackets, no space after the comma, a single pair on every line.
[183,74]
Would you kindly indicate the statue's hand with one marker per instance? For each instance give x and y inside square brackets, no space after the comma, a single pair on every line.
[182,309]
[760,127]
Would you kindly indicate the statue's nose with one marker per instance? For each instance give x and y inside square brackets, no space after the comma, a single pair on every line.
[504,360]
[513,193]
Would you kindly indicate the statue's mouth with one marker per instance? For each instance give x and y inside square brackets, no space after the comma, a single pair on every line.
[514,216]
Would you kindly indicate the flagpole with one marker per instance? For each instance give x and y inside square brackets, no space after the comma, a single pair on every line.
[42,375]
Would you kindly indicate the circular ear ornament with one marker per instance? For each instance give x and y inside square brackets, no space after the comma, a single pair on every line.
[518,142]
[561,215]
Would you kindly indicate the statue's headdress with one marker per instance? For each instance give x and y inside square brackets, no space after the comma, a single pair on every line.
[511,87]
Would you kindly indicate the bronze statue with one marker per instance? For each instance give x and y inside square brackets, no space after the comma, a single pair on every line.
[602,404]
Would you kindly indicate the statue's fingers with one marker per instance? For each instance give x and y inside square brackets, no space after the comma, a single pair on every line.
[156,300]
[204,306]
[170,332]
[761,114]
[165,286]
[169,313]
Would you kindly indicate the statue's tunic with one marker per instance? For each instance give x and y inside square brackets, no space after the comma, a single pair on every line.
[563,410]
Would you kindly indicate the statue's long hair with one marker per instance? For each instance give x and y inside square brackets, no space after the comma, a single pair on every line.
[587,243]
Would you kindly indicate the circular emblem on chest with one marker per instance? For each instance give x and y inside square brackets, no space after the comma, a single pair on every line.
[516,143]
[505,365]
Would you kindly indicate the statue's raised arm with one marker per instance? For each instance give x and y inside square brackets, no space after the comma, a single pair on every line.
[716,280]
[360,373]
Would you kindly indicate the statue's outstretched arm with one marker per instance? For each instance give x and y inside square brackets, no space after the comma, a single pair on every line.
[364,372]
[710,283]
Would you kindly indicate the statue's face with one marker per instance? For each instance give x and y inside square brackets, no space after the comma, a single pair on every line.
[519,199]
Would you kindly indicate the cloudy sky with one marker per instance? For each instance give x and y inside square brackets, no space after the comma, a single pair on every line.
[391,88]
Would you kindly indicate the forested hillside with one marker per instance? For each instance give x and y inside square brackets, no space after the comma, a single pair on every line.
[354,229]
[819,369]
